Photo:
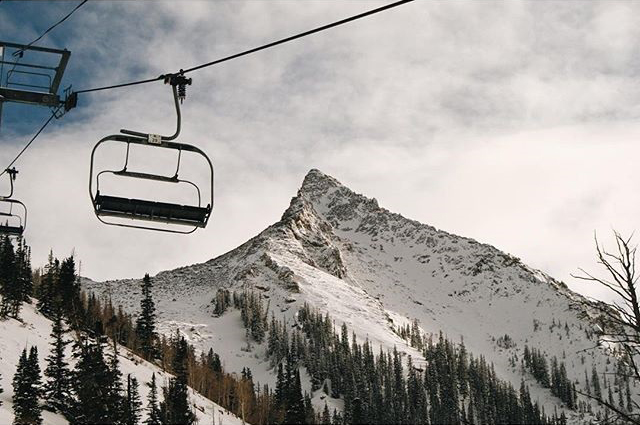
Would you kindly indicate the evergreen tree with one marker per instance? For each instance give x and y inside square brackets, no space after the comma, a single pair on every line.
[69,288]
[175,408]
[132,402]
[153,411]
[23,270]
[26,390]
[48,286]
[10,289]
[595,380]
[295,409]
[57,389]
[91,384]
[309,414]
[145,325]
[326,415]
[116,398]
[34,374]
[213,361]
[221,301]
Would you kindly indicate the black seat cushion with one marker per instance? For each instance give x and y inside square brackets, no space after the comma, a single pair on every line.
[11,230]
[151,210]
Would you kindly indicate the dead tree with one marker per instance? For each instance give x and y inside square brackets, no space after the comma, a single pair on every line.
[621,317]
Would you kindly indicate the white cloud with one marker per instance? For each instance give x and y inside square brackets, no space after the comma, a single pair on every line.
[510,122]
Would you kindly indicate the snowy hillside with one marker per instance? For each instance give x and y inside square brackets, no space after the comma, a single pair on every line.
[34,330]
[373,270]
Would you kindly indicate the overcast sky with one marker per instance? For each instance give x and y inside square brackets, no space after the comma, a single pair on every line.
[515,123]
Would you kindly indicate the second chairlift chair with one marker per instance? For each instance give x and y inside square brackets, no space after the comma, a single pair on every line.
[195,215]
[8,224]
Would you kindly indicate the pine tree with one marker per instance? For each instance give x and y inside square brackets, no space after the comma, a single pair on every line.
[26,390]
[326,416]
[153,411]
[175,408]
[20,389]
[33,371]
[132,402]
[91,384]
[48,286]
[281,389]
[115,397]
[399,387]
[213,361]
[295,410]
[595,380]
[309,414]
[57,389]
[69,288]
[10,289]
[145,325]
[221,300]
[23,270]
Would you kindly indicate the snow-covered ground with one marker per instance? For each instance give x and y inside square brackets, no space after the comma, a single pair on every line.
[372,269]
[34,329]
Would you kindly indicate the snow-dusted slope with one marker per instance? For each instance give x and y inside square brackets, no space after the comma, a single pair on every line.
[34,329]
[342,253]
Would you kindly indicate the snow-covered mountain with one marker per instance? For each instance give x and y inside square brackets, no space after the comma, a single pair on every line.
[372,269]
[34,330]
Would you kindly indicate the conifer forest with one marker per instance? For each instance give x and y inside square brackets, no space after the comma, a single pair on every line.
[446,384]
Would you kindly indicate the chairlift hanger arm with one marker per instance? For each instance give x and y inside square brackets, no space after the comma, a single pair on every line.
[11,173]
[10,190]
[178,121]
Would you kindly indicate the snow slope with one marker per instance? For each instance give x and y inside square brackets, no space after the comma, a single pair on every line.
[371,268]
[34,329]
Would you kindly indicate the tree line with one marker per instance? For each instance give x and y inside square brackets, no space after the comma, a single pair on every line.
[447,384]
[94,390]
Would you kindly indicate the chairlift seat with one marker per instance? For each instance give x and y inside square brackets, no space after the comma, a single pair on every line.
[140,209]
[11,230]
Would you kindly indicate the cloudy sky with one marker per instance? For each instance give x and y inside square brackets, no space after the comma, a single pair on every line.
[515,123]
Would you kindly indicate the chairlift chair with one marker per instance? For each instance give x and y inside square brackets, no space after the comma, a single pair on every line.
[8,218]
[35,82]
[105,206]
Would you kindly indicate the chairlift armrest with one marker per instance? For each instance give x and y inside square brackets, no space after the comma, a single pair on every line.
[147,176]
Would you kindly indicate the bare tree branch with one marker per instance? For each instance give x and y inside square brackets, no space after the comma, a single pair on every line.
[625,416]
[620,320]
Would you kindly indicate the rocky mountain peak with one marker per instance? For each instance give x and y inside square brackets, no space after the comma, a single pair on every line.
[317,184]
[331,200]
